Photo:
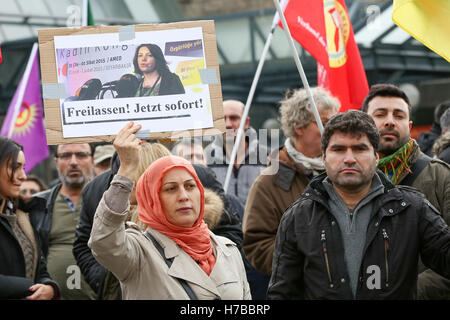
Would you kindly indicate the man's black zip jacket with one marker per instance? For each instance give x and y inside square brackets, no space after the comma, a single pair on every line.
[309,261]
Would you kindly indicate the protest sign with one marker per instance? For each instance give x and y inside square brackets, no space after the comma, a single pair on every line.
[164,76]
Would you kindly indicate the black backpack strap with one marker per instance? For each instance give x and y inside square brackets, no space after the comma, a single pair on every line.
[416,169]
[160,249]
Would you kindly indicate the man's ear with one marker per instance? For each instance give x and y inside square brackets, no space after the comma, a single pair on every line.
[247,123]
[299,131]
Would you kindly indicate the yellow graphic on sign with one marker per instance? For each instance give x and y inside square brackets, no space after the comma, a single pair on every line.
[197,89]
[338,29]
[188,71]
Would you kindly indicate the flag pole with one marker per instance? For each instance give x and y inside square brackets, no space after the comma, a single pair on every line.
[23,85]
[84,13]
[248,103]
[299,66]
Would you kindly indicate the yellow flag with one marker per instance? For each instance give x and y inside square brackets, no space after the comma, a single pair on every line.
[426,20]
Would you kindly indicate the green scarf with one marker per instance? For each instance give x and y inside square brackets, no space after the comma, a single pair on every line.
[397,162]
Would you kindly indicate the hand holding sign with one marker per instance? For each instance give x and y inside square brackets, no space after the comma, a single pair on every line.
[127,147]
[154,78]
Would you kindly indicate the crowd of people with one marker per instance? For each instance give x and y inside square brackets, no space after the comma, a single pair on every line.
[358,211]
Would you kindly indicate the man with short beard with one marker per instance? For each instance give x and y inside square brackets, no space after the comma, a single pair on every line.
[353,234]
[404,163]
[56,213]
[400,156]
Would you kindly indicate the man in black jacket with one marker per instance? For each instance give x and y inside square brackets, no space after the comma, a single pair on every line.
[93,272]
[353,234]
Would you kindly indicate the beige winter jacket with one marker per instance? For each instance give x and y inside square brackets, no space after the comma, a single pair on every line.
[143,273]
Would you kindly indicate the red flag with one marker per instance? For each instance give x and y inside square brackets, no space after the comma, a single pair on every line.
[0,54]
[323,28]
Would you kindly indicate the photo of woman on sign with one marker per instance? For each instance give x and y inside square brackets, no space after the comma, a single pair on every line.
[157,80]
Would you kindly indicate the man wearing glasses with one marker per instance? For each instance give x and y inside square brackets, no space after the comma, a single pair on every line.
[55,214]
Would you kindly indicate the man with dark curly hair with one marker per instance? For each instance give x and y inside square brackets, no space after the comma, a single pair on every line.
[353,234]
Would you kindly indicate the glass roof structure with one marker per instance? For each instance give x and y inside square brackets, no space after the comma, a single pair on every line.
[389,54]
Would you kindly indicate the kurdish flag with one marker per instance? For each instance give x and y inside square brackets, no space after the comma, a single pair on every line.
[24,122]
[426,20]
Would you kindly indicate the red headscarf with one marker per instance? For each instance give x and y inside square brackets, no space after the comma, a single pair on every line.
[195,240]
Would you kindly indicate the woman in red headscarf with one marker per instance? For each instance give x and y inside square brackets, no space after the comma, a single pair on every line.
[178,257]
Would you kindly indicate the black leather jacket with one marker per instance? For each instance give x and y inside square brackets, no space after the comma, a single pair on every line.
[309,263]
[13,281]
[41,214]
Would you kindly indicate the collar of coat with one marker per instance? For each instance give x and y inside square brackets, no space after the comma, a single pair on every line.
[441,143]
[316,192]
[171,249]
[44,200]
[178,269]
[316,183]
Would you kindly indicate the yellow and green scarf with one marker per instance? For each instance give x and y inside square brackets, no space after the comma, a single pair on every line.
[395,164]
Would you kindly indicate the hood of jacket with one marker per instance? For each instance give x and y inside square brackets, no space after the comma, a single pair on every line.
[442,143]
[209,179]
[213,208]
[43,201]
